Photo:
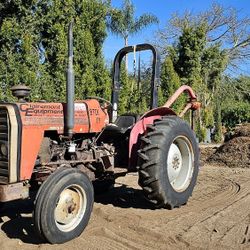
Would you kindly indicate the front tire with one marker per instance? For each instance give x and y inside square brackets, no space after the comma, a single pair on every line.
[63,206]
[168,162]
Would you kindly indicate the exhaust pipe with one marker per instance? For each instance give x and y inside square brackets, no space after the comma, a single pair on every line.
[70,107]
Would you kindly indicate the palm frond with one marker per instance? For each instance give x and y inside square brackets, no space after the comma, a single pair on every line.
[123,22]
[142,22]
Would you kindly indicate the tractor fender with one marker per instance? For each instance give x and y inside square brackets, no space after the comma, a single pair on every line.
[140,128]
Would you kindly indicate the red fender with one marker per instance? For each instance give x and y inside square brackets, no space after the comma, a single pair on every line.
[140,128]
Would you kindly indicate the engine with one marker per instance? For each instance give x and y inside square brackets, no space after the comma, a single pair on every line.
[96,161]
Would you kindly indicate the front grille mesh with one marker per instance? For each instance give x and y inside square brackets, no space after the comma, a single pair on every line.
[4,140]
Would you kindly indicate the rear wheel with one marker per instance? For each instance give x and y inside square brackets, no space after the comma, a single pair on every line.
[63,206]
[168,162]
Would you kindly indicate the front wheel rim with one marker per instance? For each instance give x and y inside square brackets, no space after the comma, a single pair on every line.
[70,208]
[180,163]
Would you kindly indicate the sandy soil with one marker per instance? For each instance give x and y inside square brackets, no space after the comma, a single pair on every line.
[216,217]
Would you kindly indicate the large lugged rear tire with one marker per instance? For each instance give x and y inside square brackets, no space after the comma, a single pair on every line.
[63,205]
[168,162]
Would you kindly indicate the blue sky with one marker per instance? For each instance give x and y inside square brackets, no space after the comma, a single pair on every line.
[163,9]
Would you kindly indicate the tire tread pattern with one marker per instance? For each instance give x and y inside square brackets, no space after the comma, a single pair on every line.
[149,158]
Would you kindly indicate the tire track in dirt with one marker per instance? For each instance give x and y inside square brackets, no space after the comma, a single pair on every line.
[125,238]
[216,217]
[206,219]
[246,238]
[197,218]
[125,231]
[216,223]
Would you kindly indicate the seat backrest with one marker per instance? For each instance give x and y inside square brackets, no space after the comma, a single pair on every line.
[125,121]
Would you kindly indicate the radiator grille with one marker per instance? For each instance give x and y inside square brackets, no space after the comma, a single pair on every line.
[4,145]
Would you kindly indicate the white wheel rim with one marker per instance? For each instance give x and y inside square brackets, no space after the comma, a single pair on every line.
[180,163]
[70,208]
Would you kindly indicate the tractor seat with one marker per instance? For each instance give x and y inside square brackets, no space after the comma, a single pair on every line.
[117,130]
[123,123]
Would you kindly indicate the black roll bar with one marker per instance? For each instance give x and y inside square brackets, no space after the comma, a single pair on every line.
[155,80]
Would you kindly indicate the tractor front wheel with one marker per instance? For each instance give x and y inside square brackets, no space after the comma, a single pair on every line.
[63,205]
[168,162]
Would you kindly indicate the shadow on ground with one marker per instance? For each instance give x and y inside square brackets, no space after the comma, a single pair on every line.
[19,224]
[124,197]
[16,217]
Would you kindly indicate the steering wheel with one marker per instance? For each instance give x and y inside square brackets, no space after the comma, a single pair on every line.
[109,104]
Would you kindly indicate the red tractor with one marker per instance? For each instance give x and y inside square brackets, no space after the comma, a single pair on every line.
[66,148]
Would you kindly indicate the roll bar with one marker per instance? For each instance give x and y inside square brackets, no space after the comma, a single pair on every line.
[155,80]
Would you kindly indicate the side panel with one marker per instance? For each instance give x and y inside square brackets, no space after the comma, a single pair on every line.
[40,117]
[31,140]
[140,129]
[50,116]
[98,117]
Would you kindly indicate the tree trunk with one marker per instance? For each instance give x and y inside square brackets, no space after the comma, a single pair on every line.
[126,56]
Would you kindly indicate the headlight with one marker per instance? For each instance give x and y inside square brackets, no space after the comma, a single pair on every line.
[4,149]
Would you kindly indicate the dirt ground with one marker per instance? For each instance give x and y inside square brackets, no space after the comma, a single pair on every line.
[216,217]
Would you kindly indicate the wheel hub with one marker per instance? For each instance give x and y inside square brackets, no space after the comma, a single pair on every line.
[180,163]
[174,162]
[67,207]
[70,208]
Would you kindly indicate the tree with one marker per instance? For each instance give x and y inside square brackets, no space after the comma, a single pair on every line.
[235,100]
[122,22]
[221,24]
[170,82]
[19,46]
[192,60]
[202,47]
[89,33]
[33,42]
